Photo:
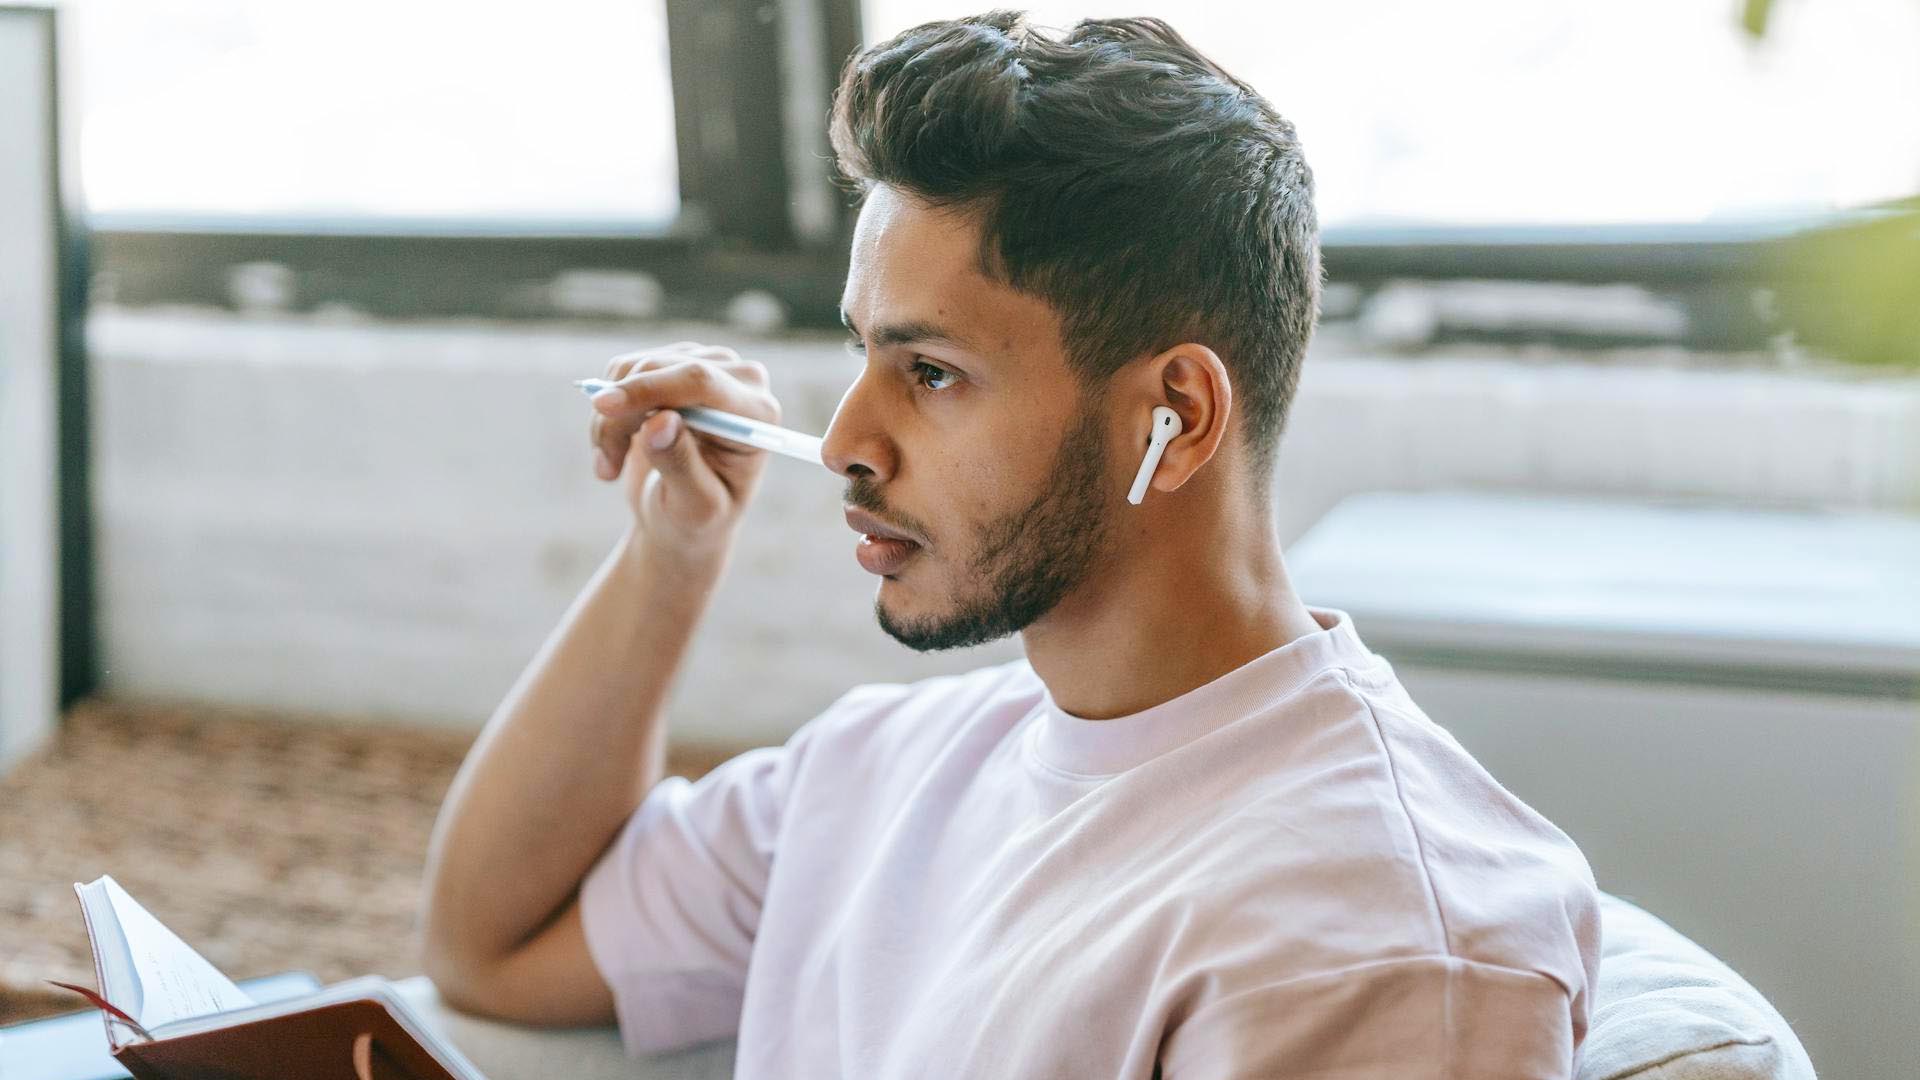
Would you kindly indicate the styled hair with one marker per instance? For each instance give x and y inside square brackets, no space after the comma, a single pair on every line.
[1140,190]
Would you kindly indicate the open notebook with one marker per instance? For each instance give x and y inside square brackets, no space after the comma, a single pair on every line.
[171,1015]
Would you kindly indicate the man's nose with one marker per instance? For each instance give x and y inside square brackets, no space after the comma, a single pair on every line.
[856,443]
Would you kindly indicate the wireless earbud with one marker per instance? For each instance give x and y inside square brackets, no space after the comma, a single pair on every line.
[1166,424]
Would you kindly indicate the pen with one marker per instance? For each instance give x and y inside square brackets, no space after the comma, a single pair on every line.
[740,429]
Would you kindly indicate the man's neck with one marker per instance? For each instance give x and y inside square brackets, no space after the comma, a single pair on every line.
[1143,634]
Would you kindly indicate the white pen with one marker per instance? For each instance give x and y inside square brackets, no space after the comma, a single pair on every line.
[740,429]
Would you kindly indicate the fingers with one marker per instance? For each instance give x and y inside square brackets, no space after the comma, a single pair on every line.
[607,458]
[675,376]
[670,448]
[644,359]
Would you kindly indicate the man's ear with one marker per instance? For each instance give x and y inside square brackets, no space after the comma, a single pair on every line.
[1191,380]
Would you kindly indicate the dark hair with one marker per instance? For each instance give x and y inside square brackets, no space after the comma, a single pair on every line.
[1147,195]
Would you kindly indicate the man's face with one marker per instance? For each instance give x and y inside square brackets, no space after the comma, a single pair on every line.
[966,430]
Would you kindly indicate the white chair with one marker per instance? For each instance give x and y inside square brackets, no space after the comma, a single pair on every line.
[1665,1009]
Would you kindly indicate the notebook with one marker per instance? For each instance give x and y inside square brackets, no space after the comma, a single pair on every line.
[171,1015]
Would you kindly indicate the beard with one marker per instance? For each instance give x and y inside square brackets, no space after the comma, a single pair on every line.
[1027,560]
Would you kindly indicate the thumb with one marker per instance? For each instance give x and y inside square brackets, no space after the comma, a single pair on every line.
[673,450]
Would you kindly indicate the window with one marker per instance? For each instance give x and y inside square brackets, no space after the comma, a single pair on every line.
[1517,112]
[423,156]
[372,109]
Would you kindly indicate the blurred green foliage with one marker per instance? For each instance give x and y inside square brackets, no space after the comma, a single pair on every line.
[1851,289]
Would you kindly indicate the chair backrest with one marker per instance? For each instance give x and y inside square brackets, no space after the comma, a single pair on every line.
[1667,1009]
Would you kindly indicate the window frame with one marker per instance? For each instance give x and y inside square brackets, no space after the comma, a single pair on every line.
[759,211]
[78,655]
[758,208]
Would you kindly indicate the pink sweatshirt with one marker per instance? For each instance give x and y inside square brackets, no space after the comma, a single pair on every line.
[1288,872]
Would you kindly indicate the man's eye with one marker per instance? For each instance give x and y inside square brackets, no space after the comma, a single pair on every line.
[937,372]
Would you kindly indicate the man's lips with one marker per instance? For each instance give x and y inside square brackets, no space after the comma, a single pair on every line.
[882,549]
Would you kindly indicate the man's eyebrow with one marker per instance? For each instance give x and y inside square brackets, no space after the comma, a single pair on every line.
[911,332]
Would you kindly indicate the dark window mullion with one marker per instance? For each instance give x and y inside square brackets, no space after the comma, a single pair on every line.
[841,32]
[725,64]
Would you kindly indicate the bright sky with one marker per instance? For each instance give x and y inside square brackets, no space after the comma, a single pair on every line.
[1473,111]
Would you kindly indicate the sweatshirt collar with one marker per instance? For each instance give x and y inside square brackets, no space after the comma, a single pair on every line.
[1094,748]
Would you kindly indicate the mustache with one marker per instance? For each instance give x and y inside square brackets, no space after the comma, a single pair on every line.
[863,495]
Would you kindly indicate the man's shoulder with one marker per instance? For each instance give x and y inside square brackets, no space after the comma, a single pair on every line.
[1379,820]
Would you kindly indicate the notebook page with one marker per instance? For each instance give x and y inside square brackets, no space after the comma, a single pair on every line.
[112,963]
[175,981]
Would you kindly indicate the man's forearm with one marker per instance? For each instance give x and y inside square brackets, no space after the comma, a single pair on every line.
[563,762]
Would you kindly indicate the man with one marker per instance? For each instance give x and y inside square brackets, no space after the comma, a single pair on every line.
[1199,831]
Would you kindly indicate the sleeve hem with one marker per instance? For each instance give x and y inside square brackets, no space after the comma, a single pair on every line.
[1399,1015]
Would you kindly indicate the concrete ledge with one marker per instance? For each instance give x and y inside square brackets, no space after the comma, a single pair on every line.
[387,519]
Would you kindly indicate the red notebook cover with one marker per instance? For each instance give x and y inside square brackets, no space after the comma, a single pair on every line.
[343,1040]
[347,1040]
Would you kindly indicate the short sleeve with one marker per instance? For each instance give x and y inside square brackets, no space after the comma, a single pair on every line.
[1417,1018]
[671,908]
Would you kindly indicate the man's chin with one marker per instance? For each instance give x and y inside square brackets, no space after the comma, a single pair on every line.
[889,610]
[924,632]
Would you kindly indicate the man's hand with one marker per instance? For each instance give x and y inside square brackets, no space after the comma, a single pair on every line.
[688,492]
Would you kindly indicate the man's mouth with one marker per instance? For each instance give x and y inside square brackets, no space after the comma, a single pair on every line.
[882,549]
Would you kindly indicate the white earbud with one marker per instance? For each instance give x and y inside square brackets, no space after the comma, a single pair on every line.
[1166,424]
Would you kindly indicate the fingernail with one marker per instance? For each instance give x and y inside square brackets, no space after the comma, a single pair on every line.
[612,395]
[669,427]
[602,466]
